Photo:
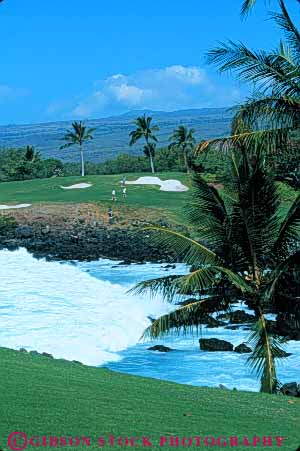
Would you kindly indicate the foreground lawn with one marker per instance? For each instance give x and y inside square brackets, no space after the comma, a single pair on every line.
[46,397]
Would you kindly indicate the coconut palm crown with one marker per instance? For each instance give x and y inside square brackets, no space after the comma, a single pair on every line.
[273,111]
[145,130]
[243,250]
[77,137]
[183,139]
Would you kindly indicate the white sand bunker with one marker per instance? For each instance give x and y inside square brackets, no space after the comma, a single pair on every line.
[9,207]
[78,186]
[165,185]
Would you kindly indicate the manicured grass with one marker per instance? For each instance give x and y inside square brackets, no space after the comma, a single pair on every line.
[46,397]
[49,190]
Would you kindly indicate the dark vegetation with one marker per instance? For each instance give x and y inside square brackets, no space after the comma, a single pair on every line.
[16,164]
[25,164]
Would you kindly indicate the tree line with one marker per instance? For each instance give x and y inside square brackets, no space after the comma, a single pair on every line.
[182,140]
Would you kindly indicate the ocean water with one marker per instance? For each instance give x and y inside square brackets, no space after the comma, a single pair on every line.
[83,311]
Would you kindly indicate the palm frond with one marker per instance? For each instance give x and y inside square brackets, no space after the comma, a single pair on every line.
[252,141]
[186,319]
[143,129]
[285,22]
[247,7]
[275,112]
[282,268]
[203,281]
[187,249]
[135,135]
[255,216]
[266,348]
[266,69]
[167,287]
[206,210]
[78,135]
[65,146]
[289,232]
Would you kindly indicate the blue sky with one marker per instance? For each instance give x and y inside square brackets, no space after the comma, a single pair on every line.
[65,59]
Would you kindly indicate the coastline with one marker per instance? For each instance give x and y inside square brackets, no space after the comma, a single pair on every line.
[82,232]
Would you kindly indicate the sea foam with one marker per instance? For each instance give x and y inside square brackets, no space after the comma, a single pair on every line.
[60,309]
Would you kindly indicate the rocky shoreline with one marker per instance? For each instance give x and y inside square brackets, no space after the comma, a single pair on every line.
[90,243]
[84,236]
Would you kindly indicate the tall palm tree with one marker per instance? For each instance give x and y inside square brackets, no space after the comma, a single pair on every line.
[274,109]
[145,130]
[243,251]
[183,139]
[149,151]
[31,154]
[77,137]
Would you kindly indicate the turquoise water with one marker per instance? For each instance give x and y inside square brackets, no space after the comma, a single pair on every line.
[82,311]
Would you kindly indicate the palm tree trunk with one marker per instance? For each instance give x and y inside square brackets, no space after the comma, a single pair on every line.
[82,162]
[186,160]
[269,373]
[150,157]
[152,164]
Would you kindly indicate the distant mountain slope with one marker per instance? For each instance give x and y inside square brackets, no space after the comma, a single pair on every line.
[111,136]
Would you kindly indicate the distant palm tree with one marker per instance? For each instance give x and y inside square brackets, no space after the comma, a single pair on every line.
[77,137]
[31,154]
[144,130]
[149,151]
[244,250]
[183,139]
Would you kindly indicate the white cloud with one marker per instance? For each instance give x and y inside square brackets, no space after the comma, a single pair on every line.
[95,102]
[129,94]
[190,75]
[170,88]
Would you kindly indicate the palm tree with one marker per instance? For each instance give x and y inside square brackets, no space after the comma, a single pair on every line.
[31,155]
[77,137]
[274,109]
[183,139]
[145,130]
[243,251]
[149,151]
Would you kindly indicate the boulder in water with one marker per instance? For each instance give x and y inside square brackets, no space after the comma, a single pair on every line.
[240,317]
[214,344]
[212,322]
[242,349]
[160,348]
